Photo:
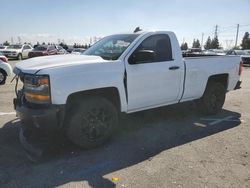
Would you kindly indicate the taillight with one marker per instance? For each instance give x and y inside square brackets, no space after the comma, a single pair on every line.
[4,59]
[240,68]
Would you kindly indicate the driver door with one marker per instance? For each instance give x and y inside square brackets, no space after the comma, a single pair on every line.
[157,81]
[26,50]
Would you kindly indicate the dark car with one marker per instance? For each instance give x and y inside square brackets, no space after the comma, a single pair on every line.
[43,50]
[69,50]
[245,57]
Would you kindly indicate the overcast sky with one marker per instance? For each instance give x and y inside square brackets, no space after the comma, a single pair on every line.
[77,20]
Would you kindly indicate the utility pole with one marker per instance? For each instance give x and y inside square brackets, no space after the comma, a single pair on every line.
[202,35]
[216,31]
[237,34]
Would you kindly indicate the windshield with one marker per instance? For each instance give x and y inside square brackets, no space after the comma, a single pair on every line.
[111,47]
[40,48]
[77,50]
[14,47]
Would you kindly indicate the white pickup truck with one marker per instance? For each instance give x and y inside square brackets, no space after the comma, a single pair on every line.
[83,95]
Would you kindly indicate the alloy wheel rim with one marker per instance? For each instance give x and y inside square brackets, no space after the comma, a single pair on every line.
[95,124]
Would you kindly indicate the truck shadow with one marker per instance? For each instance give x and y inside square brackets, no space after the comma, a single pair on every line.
[141,137]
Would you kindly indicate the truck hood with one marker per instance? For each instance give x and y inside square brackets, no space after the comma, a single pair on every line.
[33,65]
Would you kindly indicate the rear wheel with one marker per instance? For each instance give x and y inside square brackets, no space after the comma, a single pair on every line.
[92,122]
[3,77]
[213,99]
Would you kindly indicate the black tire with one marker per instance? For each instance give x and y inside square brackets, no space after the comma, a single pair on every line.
[19,57]
[3,76]
[213,99]
[92,122]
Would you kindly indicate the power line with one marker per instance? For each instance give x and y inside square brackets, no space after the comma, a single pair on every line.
[245,25]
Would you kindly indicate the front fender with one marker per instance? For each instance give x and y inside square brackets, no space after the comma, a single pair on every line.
[69,80]
[7,68]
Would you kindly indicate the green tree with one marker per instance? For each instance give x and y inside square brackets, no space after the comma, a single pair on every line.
[184,46]
[207,45]
[215,43]
[6,43]
[245,44]
[65,46]
[196,43]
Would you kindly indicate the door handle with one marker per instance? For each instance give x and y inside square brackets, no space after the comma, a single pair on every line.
[174,68]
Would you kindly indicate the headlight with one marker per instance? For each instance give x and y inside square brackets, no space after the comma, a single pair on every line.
[37,89]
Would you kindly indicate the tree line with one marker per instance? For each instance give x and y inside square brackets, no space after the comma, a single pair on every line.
[214,43]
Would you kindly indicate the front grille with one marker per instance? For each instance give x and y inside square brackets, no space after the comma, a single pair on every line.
[8,53]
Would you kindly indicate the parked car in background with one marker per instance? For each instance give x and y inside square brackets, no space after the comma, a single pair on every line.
[2,48]
[69,50]
[17,51]
[78,51]
[43,50]
[5,69]
[248,51]
[209,52]
[245,57]
[218,51]
[61,50]
[194,50]
[214,52]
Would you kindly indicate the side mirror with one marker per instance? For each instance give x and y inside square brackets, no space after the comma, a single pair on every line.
[142,56]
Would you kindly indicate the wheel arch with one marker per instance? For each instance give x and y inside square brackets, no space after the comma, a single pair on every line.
[110,93]
[220,78]
[4,74]
[3,71]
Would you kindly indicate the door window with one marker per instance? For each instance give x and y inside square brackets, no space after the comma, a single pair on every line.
[159,45]
[26,47]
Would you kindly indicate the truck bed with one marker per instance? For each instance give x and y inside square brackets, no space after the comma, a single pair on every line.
[198,70]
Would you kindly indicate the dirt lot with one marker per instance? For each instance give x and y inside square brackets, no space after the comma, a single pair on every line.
[167,147]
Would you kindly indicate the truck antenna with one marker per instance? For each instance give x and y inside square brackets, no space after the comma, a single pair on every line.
[137,29]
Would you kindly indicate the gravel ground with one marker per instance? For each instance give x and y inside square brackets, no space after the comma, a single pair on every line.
[167,147]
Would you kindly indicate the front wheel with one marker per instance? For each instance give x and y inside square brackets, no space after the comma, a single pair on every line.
[3,77]
[213,99]
[92,122]
[20,57]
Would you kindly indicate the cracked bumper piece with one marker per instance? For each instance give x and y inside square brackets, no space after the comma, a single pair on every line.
[47,119]
[30,148]
[37,124]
